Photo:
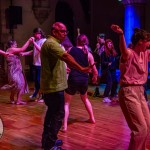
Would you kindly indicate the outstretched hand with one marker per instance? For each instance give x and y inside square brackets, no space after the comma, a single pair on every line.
[31,39]
[116,29]
[88,69]
[21,53]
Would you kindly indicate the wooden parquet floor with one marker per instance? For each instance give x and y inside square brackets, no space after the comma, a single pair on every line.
[23,126]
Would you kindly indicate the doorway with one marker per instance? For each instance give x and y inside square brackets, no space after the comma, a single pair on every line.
[64,14]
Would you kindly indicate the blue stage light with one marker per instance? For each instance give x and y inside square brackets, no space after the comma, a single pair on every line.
[131,21]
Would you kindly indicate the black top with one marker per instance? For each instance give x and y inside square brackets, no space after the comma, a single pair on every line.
[105,60]
[82,59]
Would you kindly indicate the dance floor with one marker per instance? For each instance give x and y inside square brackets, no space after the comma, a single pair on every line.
[23,125]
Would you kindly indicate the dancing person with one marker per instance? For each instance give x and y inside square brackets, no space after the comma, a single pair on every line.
[134,72]
[77,80]
[16,79]
[37,40]
[100,46]
[109,66]
[54,82]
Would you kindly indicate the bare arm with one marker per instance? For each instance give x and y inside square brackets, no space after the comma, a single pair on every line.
[2,52]
[73,64]
[5,53]
[122,44]
[37,46]
[26,53]
[94,70]
[14,50]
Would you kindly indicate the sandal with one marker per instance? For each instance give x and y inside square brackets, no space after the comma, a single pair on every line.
[21,103]
[12,102]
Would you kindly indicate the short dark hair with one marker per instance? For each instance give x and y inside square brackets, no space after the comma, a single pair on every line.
[139,34]
[39,30]
[101,35]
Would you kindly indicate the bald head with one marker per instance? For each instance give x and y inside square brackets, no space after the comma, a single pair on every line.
[59,31]
[58,26]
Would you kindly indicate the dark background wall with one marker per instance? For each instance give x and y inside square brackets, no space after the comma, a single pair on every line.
[91,16]
[103,15]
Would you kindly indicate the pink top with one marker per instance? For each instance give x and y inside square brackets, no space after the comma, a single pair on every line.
[134,71]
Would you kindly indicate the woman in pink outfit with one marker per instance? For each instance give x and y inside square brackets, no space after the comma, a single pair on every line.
[16,78]
[134,72]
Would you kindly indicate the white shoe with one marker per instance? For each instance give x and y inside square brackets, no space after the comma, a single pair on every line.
[106,100]
[31,96]
[40,101]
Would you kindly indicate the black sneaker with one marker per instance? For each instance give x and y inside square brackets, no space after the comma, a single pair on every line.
[96,92]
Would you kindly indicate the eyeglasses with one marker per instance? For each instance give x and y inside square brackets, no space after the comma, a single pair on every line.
[63,31]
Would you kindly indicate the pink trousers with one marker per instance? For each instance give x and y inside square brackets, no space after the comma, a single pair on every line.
[137,115]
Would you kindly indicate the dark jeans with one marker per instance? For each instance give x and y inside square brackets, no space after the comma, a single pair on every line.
[36,74]
[111,84]
[53,119]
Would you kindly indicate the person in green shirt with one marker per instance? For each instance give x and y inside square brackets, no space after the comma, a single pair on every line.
[54,81]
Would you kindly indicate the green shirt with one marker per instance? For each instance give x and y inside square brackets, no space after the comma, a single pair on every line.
[53,70]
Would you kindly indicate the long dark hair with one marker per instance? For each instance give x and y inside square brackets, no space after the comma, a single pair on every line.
[108,51]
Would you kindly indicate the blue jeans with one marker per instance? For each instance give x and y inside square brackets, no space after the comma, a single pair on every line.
[53,119]
[111,84]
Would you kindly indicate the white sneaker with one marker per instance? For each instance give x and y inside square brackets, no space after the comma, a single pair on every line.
[106,100]
[40,101]
[31,96]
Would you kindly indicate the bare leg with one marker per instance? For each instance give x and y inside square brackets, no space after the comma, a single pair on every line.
[88,107]
[19,98]
[12,99]
[40,97]
[66,107]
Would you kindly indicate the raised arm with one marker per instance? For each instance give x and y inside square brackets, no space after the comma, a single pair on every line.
[14,50]
[35,44]
[26,53]
[122,43]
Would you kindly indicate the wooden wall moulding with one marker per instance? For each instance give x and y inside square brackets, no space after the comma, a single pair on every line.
[41,9]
